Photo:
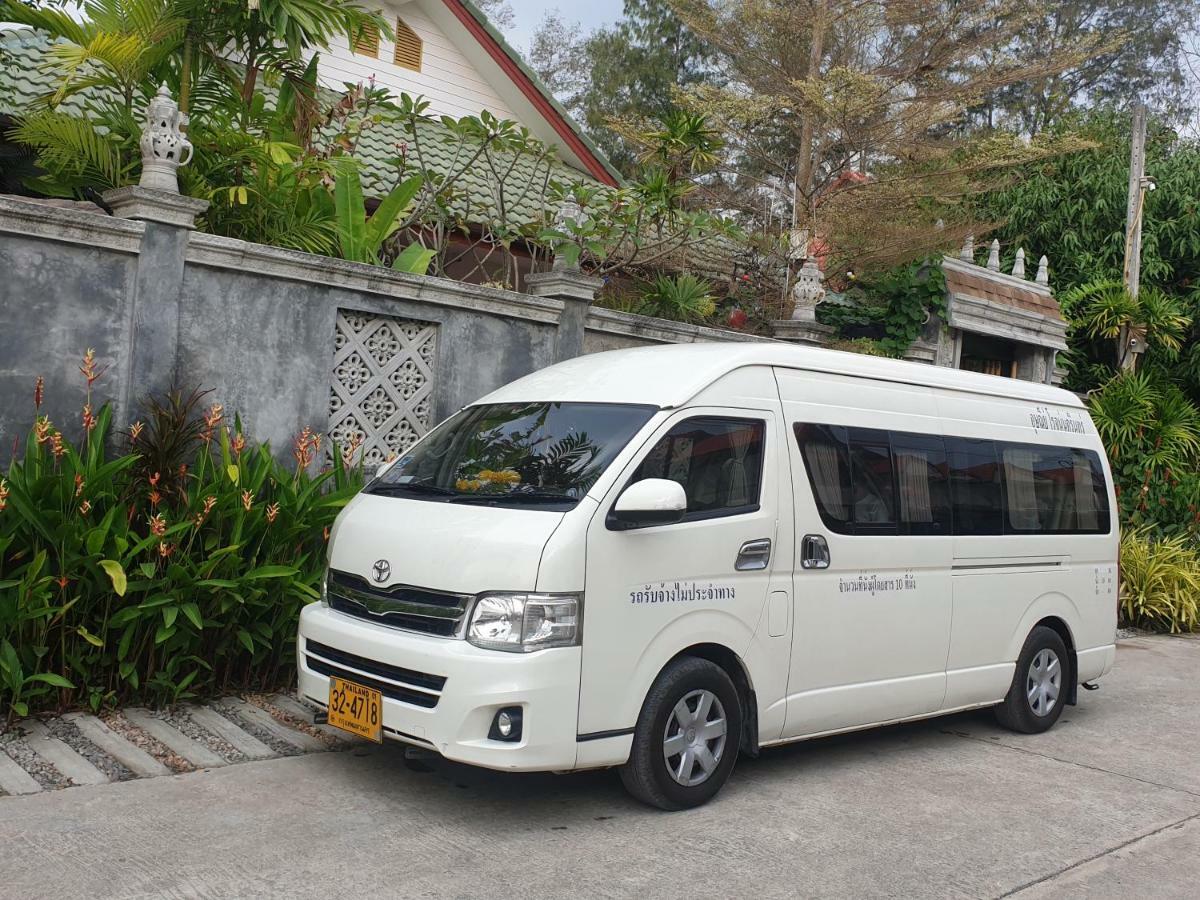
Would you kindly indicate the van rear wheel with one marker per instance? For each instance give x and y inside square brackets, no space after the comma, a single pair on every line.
[687,736]
[1039,689]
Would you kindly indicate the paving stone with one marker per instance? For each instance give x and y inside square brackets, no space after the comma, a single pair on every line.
[245,743]
[296,709]
[59,755]
[14,779]
[191,750]
[271,725]
[131,756]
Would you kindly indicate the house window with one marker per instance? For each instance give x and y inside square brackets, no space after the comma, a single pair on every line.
[408,47]
[366,42]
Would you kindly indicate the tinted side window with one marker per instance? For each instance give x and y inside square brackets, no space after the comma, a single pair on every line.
[1052,490]
[923,483]
[717,461]
[873,493]
[827,461]
[974,486]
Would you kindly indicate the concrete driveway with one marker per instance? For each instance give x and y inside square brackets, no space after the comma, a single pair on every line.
[1107,804]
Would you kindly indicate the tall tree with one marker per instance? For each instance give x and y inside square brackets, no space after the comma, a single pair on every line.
[615,80]
[855,111]
[1147,42]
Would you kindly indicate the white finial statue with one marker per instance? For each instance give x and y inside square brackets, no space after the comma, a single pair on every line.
[1019,263]
[164,146]
[967,253]
[993,262]
[1043,272]
[568,211]
[808,292]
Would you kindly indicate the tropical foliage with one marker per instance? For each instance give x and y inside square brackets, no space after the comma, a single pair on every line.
[276,156]
[174,568]
[1160,582]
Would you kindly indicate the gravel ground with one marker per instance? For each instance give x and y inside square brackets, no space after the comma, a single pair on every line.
[150,744]
[69,735]
[44,773]
[283,748]
[1126,633]
[180,720]
[263,702]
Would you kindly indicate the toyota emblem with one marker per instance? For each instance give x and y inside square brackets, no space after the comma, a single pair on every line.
[382,570]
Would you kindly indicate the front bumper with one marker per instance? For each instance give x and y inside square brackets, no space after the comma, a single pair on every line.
[545,684]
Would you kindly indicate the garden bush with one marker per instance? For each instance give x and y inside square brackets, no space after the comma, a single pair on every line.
[166,562]
[1160,582]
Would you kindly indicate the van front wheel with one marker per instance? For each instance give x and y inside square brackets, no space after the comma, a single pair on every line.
[687,736]
[1039,688]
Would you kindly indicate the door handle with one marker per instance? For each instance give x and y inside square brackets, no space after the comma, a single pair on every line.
[754,556]
[814,552]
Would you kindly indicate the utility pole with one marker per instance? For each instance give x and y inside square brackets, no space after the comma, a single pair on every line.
[1132,340]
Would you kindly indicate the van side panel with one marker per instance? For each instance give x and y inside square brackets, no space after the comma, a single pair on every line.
[872,629]
[1004,585]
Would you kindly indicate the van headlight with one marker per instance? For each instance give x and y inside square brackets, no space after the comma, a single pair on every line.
[521,623]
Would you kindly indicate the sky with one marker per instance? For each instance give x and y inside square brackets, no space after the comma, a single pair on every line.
[529,13]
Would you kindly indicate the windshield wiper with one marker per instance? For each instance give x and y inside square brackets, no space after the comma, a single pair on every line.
[530,497]
[408,487]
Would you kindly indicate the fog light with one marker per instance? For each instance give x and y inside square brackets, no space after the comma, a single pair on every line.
[507,725]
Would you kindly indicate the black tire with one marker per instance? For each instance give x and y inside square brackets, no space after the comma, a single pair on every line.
[645,775]
[1018,712]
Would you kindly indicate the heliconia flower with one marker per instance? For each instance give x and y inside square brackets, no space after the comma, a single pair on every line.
[247,500]
[305,447]
[88,367]
[39,390]
[155,498]
[3,494]
[325,533]
[272,512]
[352,447]
[135,431]
[165,549]
[158,525]
[78,484]
[154,479]
[209,502]
[89,421]
[85,507]
[238,444]
[212,419]
[56,445]
[42,429]
[62,581]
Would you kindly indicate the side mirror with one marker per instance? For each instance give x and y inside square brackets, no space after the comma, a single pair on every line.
[651,501]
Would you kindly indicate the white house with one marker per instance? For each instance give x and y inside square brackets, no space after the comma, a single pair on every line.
[447,52]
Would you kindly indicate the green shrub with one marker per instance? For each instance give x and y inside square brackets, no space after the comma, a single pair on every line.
[1160,582]
[117,585]
[1152,434]
[684,298]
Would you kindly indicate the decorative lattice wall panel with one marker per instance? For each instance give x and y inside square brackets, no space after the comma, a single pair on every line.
[382,383]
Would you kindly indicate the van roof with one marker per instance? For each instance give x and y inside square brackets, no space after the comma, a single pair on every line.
[670,375]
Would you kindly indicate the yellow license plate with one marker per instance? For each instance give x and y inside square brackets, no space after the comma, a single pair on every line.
[356,709]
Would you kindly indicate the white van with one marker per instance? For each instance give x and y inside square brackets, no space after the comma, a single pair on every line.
[661,558]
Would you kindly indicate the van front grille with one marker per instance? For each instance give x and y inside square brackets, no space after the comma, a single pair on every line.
[395,682]
[401,606]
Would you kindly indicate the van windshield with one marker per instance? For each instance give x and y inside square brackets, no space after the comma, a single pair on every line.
[540,455]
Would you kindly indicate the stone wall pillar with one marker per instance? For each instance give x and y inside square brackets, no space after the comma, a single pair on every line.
[169,218]
[576,290]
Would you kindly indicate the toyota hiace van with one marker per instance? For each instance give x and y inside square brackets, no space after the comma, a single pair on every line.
[659,559]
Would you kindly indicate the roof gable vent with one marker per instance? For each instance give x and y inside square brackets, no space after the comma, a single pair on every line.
[408,47]
[366,42]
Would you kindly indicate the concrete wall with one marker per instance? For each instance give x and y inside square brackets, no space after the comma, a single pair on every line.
[163,305]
